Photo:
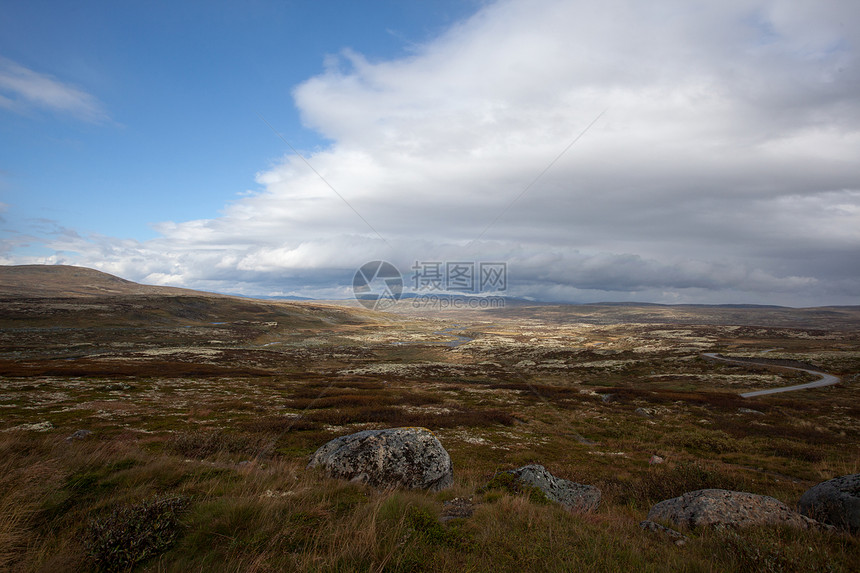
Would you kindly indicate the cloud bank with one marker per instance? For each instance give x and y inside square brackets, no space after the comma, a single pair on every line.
[724,168]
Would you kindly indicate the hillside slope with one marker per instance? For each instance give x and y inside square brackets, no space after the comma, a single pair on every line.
[78,297]
[62,281]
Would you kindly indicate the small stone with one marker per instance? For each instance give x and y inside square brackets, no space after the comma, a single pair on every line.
[655,459]
[78,435]
[118,386]
[750,411]
[678,537]
[644,412]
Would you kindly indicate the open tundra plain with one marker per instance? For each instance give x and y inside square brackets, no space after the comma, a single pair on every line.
[169,430]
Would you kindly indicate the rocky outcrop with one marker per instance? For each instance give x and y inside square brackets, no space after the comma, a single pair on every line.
[411,458]
[573,496]
[835,502]
[719,507]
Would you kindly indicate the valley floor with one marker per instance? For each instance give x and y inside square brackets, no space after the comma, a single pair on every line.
[108,404]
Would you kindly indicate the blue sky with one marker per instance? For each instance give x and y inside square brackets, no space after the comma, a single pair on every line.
[177,86]
[722,165]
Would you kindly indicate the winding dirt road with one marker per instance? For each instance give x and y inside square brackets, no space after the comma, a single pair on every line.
[824,380]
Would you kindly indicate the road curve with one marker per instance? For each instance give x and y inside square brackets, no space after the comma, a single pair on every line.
[824,380]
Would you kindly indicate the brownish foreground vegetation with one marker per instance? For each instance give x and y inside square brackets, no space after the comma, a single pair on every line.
[202,412]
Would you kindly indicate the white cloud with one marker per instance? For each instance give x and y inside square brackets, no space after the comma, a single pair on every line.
[22,90]
[724,169]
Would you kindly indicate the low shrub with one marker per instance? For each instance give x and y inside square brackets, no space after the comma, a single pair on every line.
[706,441]
[134,533]
[423,526]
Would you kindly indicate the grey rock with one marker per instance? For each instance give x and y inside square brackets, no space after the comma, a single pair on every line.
[750,411]
[719,507]
[118,386]
[644,412]
[412,458]
[655,459]
[78,435]
[835,502]
[573,496]
[676,536]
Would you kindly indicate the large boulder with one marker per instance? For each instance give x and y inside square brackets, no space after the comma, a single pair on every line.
[573,496]
[411,458]
[836,502]
[719,507]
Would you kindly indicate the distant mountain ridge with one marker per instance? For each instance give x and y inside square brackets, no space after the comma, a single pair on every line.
[59,281]
[682,305]
[66,281]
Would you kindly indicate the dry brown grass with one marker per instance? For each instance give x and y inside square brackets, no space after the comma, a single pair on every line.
[273,514]
[25,473]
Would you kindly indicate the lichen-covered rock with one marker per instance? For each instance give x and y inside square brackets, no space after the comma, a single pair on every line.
[836,502]
[573,496]
[411,458]
[719,507]
[45,426]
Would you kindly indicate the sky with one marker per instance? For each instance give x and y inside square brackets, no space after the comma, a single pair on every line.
[671,151]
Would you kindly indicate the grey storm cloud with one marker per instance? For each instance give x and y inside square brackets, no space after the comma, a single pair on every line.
[723,169]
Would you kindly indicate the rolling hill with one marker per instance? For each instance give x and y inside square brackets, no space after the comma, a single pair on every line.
[68,296]
[31,281]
